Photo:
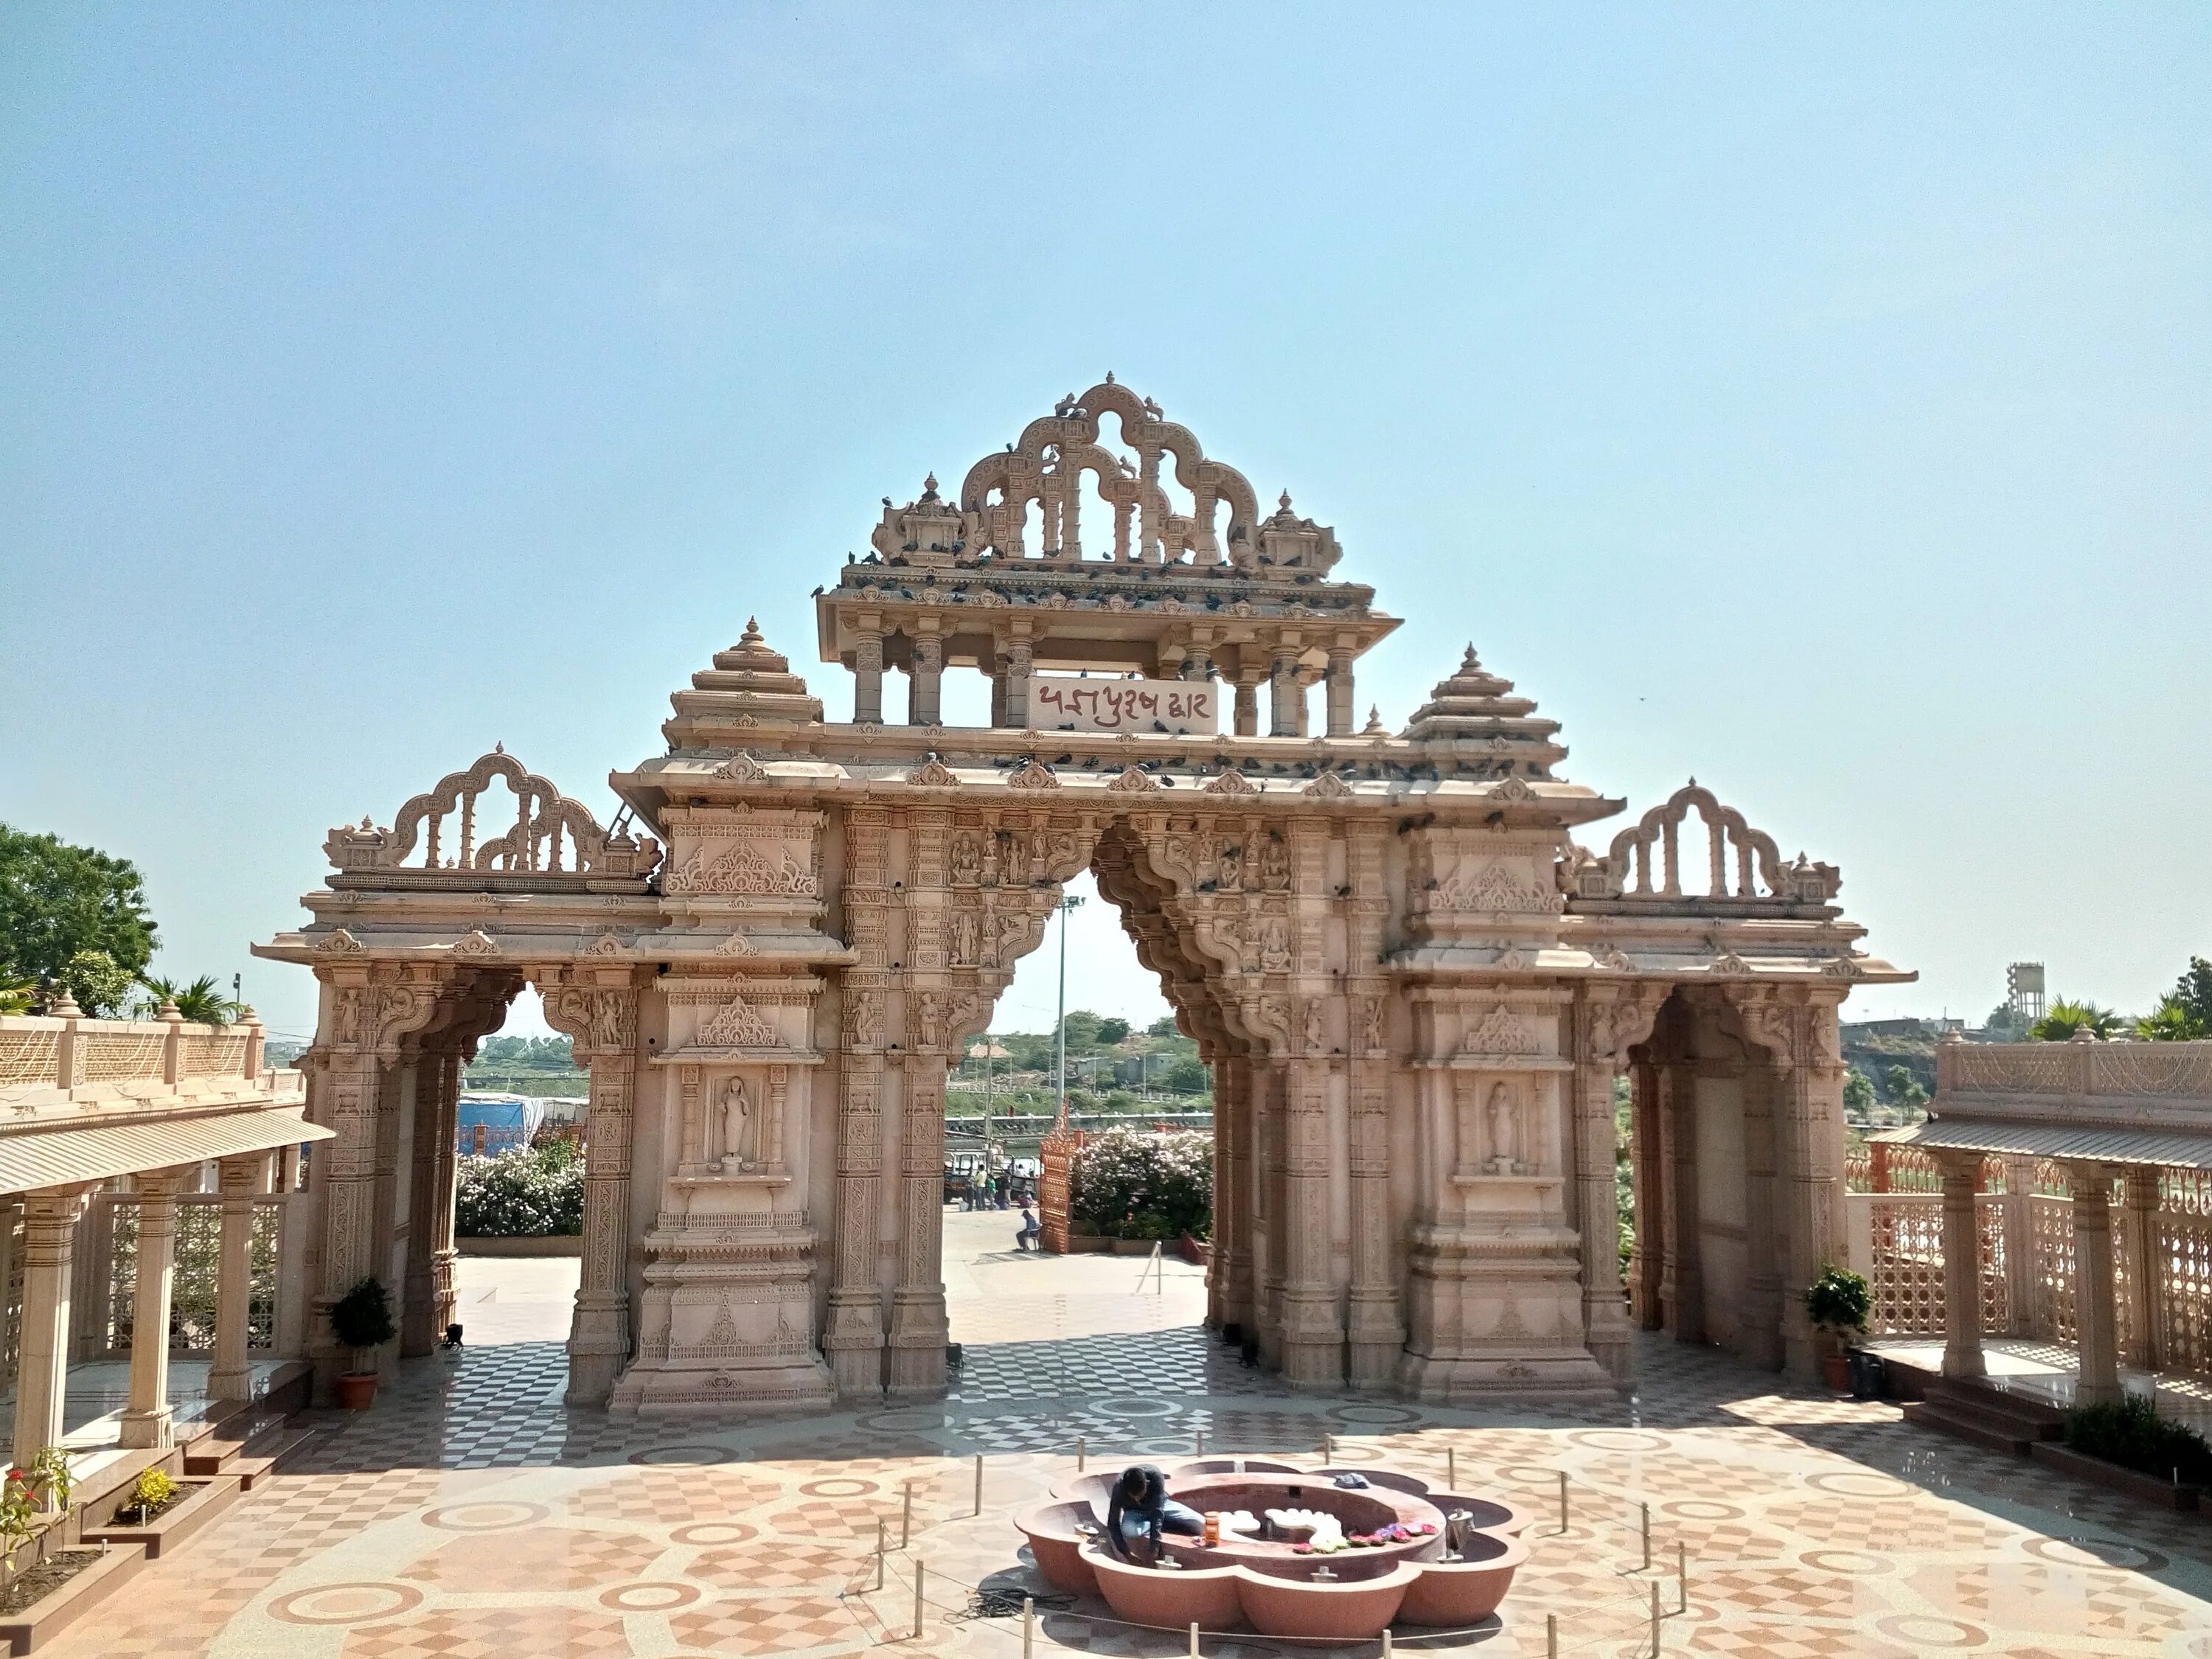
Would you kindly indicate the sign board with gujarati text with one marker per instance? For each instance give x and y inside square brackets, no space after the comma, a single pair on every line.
[1059,703]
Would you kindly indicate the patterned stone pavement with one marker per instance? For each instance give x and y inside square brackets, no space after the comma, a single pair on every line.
[470,1515]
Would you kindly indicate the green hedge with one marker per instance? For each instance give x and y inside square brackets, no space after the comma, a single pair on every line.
[2133,1435]
[526,1192]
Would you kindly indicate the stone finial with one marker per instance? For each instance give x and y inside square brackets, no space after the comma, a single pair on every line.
[929,487]
[169,1011]
[63,1005]
[1947,1036]
[751,639]
[1374,728]
[2083,1033]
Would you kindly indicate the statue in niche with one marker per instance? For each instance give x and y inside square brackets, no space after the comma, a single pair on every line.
[346,1019]
[1503,1125]
[1377,1035]
[1014,860]
[1314,1039]
[1275,947]
[963,936]
[1274,865]
[967,861]
[738,1125]
[1230,863]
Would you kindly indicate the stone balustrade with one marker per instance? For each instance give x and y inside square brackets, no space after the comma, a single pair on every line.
[2163,1070]
[74,1060]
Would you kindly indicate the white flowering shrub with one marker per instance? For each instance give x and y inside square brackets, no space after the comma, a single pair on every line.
[1128,1184]
[524,1193]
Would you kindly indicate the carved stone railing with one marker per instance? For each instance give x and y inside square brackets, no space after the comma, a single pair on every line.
[1742,864]
[2180,1071]
[41,1052]
[551,835]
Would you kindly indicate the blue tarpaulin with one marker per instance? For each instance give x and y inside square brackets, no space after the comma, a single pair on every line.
[497,1123]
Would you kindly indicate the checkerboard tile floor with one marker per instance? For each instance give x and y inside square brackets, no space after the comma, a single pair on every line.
[471,1515]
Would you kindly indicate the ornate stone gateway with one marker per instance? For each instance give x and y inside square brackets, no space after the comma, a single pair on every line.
[1415,987]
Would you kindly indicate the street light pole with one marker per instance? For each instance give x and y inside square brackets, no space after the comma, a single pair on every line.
[1059,1067]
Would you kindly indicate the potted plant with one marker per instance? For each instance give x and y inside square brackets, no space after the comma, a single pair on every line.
[1838,1302]
[362,1321]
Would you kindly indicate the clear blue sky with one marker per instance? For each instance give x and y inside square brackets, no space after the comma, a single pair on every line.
[1816,399]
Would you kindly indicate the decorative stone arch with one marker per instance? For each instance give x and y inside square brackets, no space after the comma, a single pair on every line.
[1415,987]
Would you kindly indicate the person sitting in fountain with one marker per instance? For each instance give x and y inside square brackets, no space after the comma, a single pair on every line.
[1139,1507]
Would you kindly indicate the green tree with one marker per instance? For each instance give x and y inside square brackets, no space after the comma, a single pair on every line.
[1165,1026]
[1187,1077]
[1858,1092]
[1902,1087]
[1082,1030]
[2172,1021]
[101,988]
[2063,1018]
[1111,1032]
[2193,990]
[200,1002]
[58,901]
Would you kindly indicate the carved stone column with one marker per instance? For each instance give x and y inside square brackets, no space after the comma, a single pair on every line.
[925,680]
[1286,697]
[1016,671]
[1962,1265]
[2139,1244]
[231,1375]
[146,1420]
[853,1341]
[50,1219]
[918,1329]
[1682,1289]
[2021,1284]
[2094,1324]
[1313,1328]
[1235,1178]
[1759,1336]
[600,1017]
[1647,1178]
[868,679]
[1376,1334]
[1340,693]
[1248,702]
[437,1086]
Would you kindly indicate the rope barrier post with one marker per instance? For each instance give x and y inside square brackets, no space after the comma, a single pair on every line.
[1646,1508]
[1202,1442]
[906,1521]
[1682,1574]
[882,1541]
[1029,1626]
[1551,1635]
[979,1483]
[1564,1521]
[1655,1619]
[1078,1454]
[1193,1637]
[920,1569]
[1451,1468]
[1328,1449]
[1386,1642]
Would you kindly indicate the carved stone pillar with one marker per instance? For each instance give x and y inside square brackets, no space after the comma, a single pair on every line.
[2021,1286]
[1810,1149]
[868,680]
[1286,697]
[1759,1336]
[1340,693]
[146,1420]
[925,679]
[1248,702]
[1016,671]
[1376,1334]
[1597,1217]
[231,1375]
[2094,1324]
[429,1222]
[1682,1290]
[2139,1244]
[919,1330]
[1648,1181]
[853,1341]
[600,1019]
[1313,1328]
[50,1221]
[1236,1180]
[1962,1265]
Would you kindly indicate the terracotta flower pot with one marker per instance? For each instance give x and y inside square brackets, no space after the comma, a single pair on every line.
[1836,1371]
[355,1389]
